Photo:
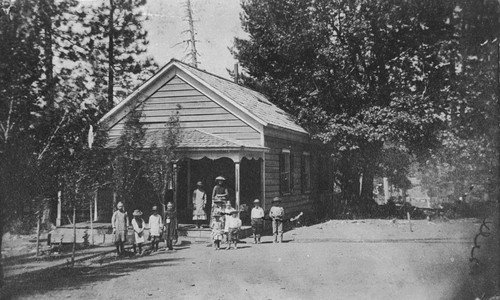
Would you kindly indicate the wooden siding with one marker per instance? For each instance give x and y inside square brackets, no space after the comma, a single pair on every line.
[196,111]
[294,201]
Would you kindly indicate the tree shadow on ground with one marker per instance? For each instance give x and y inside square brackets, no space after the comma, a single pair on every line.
[67,278]
[30,257]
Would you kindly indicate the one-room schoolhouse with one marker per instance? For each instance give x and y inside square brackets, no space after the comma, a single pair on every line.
[227,130]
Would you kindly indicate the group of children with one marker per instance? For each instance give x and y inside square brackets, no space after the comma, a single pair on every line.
[157,228]
[226,223]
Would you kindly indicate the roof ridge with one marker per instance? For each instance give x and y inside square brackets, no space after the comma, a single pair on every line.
[225,79]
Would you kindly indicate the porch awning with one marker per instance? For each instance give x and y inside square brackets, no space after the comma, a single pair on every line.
[197,144]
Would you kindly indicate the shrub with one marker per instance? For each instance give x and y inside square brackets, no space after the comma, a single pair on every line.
[26,225]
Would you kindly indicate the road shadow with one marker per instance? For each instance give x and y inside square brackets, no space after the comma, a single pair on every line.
[67,278]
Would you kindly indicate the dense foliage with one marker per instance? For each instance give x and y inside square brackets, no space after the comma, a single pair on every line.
[382,82]
[53,66]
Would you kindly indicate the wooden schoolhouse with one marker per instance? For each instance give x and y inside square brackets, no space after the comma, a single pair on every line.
[227,130]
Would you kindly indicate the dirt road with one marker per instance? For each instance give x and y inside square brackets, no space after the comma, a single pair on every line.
[336,260]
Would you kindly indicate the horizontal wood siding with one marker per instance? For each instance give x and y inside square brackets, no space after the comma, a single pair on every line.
[195,111]
[296,201]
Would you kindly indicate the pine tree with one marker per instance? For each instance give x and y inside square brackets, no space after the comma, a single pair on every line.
[128,63]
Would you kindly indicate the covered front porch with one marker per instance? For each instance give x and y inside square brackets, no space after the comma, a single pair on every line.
[242,167]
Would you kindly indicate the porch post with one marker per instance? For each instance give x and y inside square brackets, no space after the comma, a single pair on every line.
[188,181]
[95,206]
[176,185]
[237,184]
[59,208]
[263,180]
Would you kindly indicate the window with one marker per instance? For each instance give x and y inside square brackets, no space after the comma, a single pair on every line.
[285,172]
[306,172]
[324,165]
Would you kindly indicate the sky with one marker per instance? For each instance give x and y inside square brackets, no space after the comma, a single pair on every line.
[217,23]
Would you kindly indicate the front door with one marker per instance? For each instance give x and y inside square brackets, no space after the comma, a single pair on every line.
[204,170]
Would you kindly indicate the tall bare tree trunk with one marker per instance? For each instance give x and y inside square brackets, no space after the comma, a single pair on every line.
[46,16]
[2,214]
[194,53]
[1,238]
[111,57]
[74,236]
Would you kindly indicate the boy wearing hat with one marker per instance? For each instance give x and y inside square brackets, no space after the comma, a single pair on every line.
[120,223]
[257,220]
[155,228]
[232,226]
[138,225]
[277,214]
[217,230]
[199,202]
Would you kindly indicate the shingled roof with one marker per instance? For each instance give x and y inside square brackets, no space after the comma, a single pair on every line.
[188,138]
[254,102]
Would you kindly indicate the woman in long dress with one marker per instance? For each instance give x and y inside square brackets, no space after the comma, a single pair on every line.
[219,195]
[199,202]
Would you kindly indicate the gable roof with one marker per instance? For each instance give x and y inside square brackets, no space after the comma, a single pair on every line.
[252,103]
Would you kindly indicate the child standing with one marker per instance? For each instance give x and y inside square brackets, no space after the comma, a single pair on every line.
[217,230]
[232,226]
[227,213]
[228,209]
[138,225]
[257,220]
[217,209]
[155,228]
[120,223]
[277,214]
[170,225]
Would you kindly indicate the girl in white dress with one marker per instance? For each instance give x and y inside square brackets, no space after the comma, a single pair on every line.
[138,225]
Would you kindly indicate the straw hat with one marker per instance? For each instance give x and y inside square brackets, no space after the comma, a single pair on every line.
[199,183]
[256,201]
[220,178]
[276,199]
[137,213]
[155,208]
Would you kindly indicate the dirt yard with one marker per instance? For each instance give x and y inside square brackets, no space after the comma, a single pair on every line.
[363,259]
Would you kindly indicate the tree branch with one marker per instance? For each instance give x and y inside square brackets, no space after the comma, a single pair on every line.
[8,125]
[63,119]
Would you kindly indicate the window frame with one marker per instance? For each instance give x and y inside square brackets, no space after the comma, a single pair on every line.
[285,172]
[305,174]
